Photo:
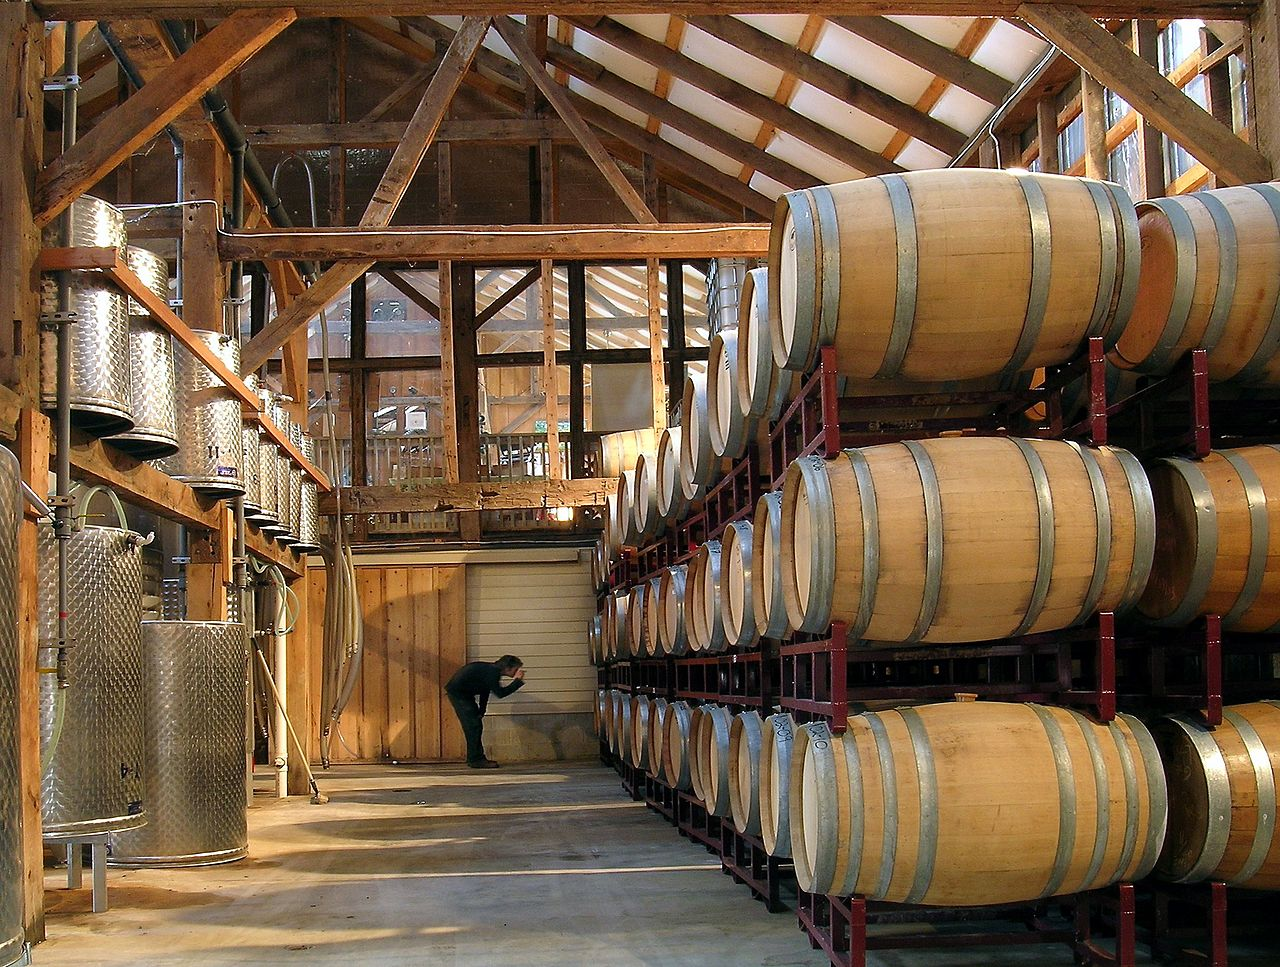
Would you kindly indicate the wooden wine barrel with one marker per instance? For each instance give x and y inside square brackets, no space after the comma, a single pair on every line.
[988,272]
[693,750]
[595,639]
[702,600]
[964,539]
[764,388]
[1222,797]
[767,600]
[639,738]
[729,426]
[622,725]
[1210,278]
[653,618]
[618,451]
[776,745]
[675,741]
[1217,540]
[698,465]
[635,620]
[900,808]
[612,538]
[610,716]
[672,503]
[714,761]
[746,736]
[648,522]
[619,641]
[655,737]
[625,519]
[736,608]
[600,715]
[675,638]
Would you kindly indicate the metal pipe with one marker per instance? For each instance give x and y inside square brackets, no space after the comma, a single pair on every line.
[279,661]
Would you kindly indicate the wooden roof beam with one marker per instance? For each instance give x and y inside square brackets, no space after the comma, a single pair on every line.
[1148,92]
[744,98]
[831,80]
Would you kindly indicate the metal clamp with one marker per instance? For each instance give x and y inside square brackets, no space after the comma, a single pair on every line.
[62,82]
[53,321]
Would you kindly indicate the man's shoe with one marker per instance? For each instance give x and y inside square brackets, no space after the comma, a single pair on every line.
[483,764]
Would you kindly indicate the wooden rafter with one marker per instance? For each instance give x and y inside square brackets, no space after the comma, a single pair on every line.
[451,496]
[1152,95]
[145,115]
[763,108]
[513,292]
[386,197]
[662,82]
[410,291]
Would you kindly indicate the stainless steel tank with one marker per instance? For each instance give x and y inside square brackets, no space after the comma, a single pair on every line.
[250,438]
[295,490]
[155,420]
[209,422]
[100,380]
[309,514]
[724,285]
[275,463]
[12,949]
[194,761]
[264,515]
[91,732]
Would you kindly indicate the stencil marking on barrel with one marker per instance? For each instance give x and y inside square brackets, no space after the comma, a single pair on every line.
[1162,354]
[1228,261]
[1259,540]
[1041,272]
[1266,797]
[889,794]
[870,542]
[927,781]
[933,540]
[908,255]
[1066,800]
[1046,534]
[1270,341]
[1206,542]
[1102,811]
[1219,788]
[1102,520]
[821,861]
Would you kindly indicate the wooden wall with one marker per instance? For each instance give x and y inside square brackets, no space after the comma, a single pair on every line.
[415,639]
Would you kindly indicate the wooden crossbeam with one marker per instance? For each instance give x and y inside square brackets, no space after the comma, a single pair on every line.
[833,81]
[1148,92]
[386,197]
[437,497]
[146,113]
[558,97]
[509,296]
[410,291]
[387,134]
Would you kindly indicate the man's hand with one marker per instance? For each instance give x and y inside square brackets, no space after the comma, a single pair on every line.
[519,673]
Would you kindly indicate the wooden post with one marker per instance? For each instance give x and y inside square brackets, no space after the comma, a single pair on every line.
[550,373]
[657,366]
[1145,36]
[675,326]
[338,115]
[298,690]
[1093,104]
[466,384]
[359,398]
[577,376]
[1047,135]
[204,279]
[209,573]
[448,378]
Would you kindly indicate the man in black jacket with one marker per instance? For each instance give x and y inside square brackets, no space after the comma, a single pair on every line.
[469,691]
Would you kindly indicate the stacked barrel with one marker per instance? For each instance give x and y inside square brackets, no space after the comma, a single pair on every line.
[926,284]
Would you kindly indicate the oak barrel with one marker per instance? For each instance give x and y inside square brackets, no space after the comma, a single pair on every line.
[671,597]
[736,611]
[702,600]
[635,620]
[693,752]
[698,465]
[601,716]
[729,426]
[639,738]
[675,741]
[776,746]
[622,726]
[764,388]
[964,539]
[746,736]
[1222,797]
[767,599]
[1217,539]
[624,516]
[672,503]
[653,617]
[1210,278]
[648,522]
[618,451]
[950,274]
[656,736]
[714,761]
[903,807]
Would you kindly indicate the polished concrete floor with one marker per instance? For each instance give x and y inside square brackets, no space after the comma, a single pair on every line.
[446,866]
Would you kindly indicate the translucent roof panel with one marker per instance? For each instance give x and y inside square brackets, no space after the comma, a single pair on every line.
[723,115]
[652,25]
[1009,51]
[870,63]
[804,155]
[730,61]
[947,31]
[700,151]
[962,110]
[840,117]
[786,27]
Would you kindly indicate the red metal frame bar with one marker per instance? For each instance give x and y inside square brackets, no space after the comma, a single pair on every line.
[1123,908]
[746,860]
[1206,940]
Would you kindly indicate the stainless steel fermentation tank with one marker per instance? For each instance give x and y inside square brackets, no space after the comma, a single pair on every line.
[91,733]
[155,421]
[210,437]
[309,522]
[101,400]
[194,760]
[11,933]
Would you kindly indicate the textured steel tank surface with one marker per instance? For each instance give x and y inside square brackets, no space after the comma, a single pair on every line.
[153,382]
[11,934]
[309,512]
[93,778]
[209,424]
[100,369]
[194,760]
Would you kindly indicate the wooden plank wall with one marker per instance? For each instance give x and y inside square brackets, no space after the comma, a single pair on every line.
[415,638]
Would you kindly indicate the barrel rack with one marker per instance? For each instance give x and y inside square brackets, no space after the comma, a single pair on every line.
[1097,667]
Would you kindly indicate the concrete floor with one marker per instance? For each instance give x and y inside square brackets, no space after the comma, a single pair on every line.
[522,867]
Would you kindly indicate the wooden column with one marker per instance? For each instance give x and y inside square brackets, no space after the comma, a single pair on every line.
[577,376]
[1264,77]
[550,374]
[657,366]
[338,115]
[204,283]
[1093,105]
[1047,135]
[1145,38]
[298,697]
[209,574]
[359,397]
[460,382]
[444,183]
[675,326]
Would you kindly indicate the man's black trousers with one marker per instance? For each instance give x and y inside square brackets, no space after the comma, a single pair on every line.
[472,720]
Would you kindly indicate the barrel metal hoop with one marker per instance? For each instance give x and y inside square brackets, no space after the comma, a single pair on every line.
[803,342]
[716,640]
[829,254]
[1130,801]
[1266,781]
[1270,341]
[1102,807]
[1164,353]
[1107,248]
[1144,527]
[927,782]
[1259,541]
[1066,800]
[777,604]
[822,550]
[870,542]
[1047,534]
[1102,521]
[1206,542]
[679,574]
[908,257]
[822,864]
[1041,272]
[889,794]
[741,531]
[933,540]
[1219,789]
[1127,294]
[1228,260]
[857,815]
[1157,795]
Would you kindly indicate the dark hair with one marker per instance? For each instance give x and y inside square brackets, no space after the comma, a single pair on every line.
[509,663]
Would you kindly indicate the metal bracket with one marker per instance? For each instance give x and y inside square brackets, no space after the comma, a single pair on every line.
[61,500]
[54,321]
[62,82]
